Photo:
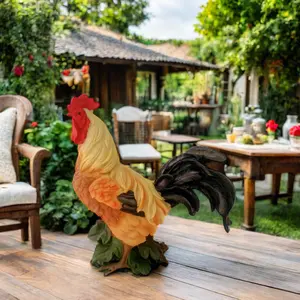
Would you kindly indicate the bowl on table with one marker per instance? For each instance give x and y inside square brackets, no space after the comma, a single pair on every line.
[238,131]
[295,142]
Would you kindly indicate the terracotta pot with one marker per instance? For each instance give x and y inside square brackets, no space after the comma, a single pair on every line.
[204,99]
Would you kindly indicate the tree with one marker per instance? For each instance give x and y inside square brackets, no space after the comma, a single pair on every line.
[259,34]
[255,33]
[117,15]
[26,57]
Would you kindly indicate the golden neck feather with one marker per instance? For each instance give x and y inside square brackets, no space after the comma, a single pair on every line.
[98,152]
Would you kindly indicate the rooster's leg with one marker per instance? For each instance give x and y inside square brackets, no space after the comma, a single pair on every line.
[122,264]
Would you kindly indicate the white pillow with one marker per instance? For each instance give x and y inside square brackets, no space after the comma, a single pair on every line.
[7,125]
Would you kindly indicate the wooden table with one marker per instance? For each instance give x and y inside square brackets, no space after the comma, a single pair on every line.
[204,263]
[256,162]
[175,139]
[197,107]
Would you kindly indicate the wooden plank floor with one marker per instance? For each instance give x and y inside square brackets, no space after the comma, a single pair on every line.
[205,263]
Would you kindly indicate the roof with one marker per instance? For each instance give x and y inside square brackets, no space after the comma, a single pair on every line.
[96,42]
[182,51]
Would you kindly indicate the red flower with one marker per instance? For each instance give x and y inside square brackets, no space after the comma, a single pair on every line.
[34,124]
[85,69]
[272,125]
[295,130]
[66,72]
[30,56]
[18,71]
[49,61]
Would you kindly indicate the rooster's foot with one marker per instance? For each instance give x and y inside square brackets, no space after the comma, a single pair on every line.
[111,268]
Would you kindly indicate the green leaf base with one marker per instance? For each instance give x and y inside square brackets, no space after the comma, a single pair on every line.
[142,259]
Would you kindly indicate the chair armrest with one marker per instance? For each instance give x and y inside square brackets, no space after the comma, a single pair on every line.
[36,156]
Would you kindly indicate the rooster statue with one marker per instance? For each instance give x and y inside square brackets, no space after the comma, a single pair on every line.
[130,205]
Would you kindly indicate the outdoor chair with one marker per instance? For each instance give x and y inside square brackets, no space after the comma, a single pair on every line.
[133,135]
[20,201]
[162,121]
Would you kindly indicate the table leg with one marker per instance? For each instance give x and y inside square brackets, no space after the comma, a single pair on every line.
[290,188]
[181,148]
[249,204]
[275,188]
[174,150]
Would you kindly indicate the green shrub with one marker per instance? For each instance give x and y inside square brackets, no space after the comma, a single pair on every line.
[61,209]
[56,138]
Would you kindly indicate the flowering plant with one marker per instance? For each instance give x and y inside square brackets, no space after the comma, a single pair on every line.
[271,126]
[18,70]
[295,130]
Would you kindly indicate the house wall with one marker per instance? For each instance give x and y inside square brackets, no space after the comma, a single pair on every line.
[240,88]
[254,88]
[112,84]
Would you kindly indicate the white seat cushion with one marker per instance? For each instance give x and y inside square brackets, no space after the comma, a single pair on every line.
[17,193]
[138,152]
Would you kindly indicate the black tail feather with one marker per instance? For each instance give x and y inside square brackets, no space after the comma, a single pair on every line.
[188,172]
[191,199]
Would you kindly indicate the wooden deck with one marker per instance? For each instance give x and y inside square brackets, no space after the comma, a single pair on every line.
[205,263]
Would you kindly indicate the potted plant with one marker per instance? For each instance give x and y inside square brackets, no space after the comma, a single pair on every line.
[295,136]
[205,98]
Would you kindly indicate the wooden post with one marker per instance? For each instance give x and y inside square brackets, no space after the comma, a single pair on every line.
[249,204]
[275,188]
[104,97]
[160,78]
[134,76]
[95,80]
[131,85]
[290,188]
[247,88]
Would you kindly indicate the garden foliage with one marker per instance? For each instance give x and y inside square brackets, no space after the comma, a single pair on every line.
[26,59]
[261,35]
[142,259]
[61,209]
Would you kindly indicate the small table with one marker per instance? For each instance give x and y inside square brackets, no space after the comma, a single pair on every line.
[256,161]
[175,139]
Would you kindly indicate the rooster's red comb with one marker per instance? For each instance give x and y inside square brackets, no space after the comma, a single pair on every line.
[83,101]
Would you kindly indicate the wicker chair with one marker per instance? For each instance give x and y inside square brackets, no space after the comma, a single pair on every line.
[21,201]
[162,121]
[133,135]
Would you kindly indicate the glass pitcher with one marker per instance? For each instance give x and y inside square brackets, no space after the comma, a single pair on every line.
[289,123]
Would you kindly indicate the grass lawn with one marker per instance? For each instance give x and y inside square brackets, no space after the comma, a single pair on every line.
[281,220]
